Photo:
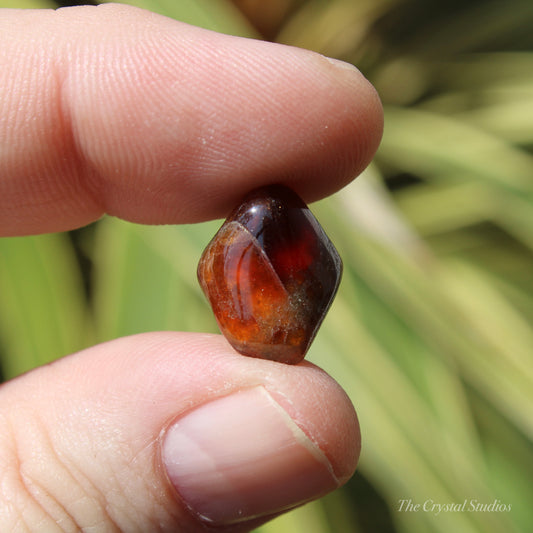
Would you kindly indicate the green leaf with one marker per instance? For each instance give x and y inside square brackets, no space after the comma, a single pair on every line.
[447,148]
[145,278]
[307,519]
[43,312]
[402,338]
[217,15]
[28,4]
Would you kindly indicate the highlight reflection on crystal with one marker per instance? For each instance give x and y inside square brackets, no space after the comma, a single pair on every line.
[270,275]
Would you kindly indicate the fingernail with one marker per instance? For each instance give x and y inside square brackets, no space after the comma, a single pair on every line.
[341,64]
[241,457]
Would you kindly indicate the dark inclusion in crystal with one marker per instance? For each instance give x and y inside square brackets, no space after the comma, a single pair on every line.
[270,274]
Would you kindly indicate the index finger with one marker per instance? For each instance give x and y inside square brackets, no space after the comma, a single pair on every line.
[116,110]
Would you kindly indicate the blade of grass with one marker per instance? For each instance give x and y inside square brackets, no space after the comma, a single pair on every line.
[407,449]
[422,298]
[453,344]
[442,208]
[27,4]
[42,304]
[371,208]
[307,519]
[333,28]
[434,145]
[217,15]
[145,278]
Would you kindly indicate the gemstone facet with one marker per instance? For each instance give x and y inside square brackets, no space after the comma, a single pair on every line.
[270,274]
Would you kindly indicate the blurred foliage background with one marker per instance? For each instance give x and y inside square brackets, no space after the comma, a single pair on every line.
[431,332]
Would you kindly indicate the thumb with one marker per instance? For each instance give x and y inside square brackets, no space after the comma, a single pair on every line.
[166,432]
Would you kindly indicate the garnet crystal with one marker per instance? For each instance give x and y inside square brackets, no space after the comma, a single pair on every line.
[270,274]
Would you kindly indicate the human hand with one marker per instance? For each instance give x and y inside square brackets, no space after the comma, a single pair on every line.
[116,110]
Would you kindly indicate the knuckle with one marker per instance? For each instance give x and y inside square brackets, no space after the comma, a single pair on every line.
[37,490]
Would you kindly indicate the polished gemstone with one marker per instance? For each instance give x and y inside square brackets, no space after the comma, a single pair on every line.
[270,275]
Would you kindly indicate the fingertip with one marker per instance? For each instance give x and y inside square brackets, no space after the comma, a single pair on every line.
[263,447]
[327,416]
[359,121]
[179,430]
[156,121]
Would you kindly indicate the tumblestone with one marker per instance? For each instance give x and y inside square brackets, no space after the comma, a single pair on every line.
[270,274]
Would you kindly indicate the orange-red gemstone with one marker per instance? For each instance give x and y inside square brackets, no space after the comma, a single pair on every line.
[270,275]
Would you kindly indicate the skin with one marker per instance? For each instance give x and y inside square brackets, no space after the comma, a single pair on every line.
[116,110]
